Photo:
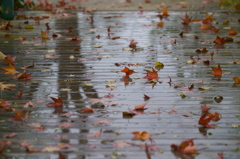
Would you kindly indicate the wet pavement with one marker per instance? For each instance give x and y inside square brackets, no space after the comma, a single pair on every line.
[81,63]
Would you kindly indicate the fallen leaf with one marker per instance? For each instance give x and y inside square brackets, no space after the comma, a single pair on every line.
[219,40]
[101,122]
[133,44]
[127,71]
[236,80]
[44,35]
[205,119]
[2,56]
[122,144]
[96,134]
[186,20]
[89,110]
[57,102]
[140,107]
[217,71]
[66,125]
[24,75]
[29,105]
[10,135]
[10,69]
[204,108]
[186,147]
[172,111]
[232,32]
[203,88]
[151,75]
[142,135]
[51,149]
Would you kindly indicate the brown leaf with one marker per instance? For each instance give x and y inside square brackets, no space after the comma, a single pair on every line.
[140,106]
[142,135]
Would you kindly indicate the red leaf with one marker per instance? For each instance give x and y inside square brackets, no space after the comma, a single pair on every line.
[140,107]
[127,71]
[57,102]
[186,147]
[151,74]
[10,135]
[217,71]
[205,119]
[24,75]
[186,20]
[133,44]
[219,40]
[18,116]
[205,108]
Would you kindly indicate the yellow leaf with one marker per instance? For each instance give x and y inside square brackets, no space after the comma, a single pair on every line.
[2,56]
[97,46]
[88,84]
[71,57]
[111,85]
[159,64]
[234,126]
[127,49]
[203,88]
[65,89]
[29,27]
[110,81]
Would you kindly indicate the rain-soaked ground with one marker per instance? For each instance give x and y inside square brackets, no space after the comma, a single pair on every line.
[82,64]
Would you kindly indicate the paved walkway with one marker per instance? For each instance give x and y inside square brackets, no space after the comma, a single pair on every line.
[79,63]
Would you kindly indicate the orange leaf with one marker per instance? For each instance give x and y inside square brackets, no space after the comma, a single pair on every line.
[186,20]
[151,74]
[186,146]
[44,35]
[190,150]
[204,120]
[10,69]
[217,71]
[18,116]
[57,102]
[232,32]
[160,24]
[210,16]
[133,44]
[219,40]
[127,71]
[140,106]
[89,110]
[24,75]
[142,135]
[205,108]
[165,12]
[236,80]
[215,116]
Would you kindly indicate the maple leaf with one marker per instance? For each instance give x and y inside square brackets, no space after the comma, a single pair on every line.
[232,32]
[127,71]
[215,116]
[151,75]
[104,121]
[4,144]
[10,59]
[57,102]
[24,75]
[165,12]
[140,107]
[10,69]
[204,108]
[88,110]
[66,124]
[96,134]
[205,119]
[2,56]
[236,80]
[186,19]
[133,44]
[210,16]
[10,135]
[214,30]
[186,147]
[219,40]
[51,149]
[5,104]
[29,105]
[18,116]
[44,35]
[122,144]
[142,135]
[217,71]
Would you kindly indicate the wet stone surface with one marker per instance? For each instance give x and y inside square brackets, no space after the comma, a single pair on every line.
[85,72]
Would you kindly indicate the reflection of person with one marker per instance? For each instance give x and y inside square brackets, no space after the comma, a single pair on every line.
[68,67]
